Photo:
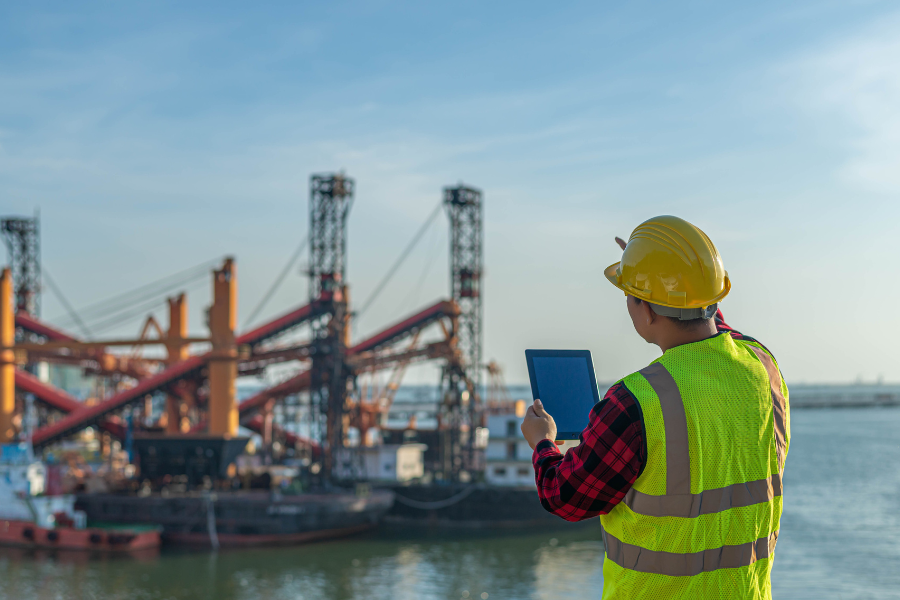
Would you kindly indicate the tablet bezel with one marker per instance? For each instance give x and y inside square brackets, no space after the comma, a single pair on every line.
[535,392]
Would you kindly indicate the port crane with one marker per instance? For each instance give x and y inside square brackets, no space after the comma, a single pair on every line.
[199,389]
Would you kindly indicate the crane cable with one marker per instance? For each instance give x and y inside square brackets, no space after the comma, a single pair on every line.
[155,290]
[384,281]
[427,269]
[126,300]
[62,300]
[278,281]
[126,312]
[137,311]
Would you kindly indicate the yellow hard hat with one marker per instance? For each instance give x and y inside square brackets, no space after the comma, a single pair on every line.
[671,263]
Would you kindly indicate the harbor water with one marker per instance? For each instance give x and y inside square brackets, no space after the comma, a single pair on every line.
[840,539]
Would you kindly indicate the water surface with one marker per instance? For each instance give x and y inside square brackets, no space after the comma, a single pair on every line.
[840,539]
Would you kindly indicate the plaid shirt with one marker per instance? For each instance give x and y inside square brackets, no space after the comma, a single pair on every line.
[591,478]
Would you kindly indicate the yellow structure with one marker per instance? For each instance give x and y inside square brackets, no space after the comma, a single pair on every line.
[177,350]
[223,408]
[7,359]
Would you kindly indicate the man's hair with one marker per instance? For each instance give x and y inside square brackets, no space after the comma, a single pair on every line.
[689,324]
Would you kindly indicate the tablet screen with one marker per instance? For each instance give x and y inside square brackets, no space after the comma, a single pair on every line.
[566,390]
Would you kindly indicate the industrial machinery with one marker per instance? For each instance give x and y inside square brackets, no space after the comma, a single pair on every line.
[330,199]
[22,238]
[460,414]
[182,395]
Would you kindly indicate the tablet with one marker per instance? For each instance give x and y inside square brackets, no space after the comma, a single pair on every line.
[564,381]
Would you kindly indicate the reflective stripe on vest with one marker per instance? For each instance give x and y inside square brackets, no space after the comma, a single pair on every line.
[707,501]
[678,501]
[678,458]
[778,404]
[642,560]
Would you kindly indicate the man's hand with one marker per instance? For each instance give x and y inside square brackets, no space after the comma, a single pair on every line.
[538,425]
[622,243]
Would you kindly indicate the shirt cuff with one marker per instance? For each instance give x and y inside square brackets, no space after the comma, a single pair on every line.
[546,445]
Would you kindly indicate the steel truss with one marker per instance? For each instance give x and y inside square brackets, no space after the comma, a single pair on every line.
[331,196]
[460,413]
[22,237]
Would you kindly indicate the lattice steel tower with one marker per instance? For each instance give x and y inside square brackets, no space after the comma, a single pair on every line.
[22,237]
[330,199]
[464,210]
[461,411]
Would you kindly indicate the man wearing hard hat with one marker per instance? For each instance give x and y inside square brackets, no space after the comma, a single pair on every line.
[683,459]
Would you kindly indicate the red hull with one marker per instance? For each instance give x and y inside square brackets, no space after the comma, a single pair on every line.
[28,535]
[233,540]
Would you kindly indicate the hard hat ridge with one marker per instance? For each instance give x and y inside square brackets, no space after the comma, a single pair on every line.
[664,236]
[671,263]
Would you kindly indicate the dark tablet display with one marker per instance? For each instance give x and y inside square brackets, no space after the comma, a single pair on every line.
[564,381]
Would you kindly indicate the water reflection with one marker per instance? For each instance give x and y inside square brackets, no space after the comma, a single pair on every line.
[572,570]
[422,565]
[839,540]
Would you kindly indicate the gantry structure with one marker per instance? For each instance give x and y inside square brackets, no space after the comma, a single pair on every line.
[460,411]
[198,390]
[23,247]
[330,199]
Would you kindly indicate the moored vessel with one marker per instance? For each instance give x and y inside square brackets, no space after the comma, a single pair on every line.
[30,519]
[121,539]
[245,518]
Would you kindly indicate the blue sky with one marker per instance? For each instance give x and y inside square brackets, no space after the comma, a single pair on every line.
[156,136]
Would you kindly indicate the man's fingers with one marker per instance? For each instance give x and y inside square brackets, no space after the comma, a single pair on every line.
[538,407]
[621,242]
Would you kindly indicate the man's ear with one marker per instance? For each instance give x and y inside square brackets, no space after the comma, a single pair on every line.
[649,314]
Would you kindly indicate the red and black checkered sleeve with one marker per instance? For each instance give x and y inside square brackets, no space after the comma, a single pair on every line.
[593,477]
[721,326]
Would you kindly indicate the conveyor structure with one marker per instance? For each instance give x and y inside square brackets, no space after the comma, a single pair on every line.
[200,388]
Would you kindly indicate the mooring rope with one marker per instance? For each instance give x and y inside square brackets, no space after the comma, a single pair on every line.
[436,503]
[211,521]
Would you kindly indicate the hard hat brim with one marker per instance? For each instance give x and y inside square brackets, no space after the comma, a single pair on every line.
[611,274]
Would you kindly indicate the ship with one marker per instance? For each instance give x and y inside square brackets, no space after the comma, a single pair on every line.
[194,514]
[500,491]
[31,519]
[244,518]
[469,506]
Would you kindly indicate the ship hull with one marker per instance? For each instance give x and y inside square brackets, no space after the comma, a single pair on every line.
[469,506]
[243,518]
[281,539]
[24,534]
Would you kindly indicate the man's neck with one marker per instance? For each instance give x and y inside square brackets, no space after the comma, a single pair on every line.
[678,336]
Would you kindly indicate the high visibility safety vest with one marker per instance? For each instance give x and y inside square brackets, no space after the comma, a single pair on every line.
[702,519]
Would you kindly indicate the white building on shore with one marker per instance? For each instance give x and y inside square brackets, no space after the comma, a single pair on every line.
[508,456]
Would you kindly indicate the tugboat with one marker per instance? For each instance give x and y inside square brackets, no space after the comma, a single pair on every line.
[30,519]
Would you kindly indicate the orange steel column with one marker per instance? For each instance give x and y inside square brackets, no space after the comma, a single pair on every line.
[223,409]
[7,359]
[177,351]
[345,292]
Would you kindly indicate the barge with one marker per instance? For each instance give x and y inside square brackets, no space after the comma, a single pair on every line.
[244,518]
[469,506]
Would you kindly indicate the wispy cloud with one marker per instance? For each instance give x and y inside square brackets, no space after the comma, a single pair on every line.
[853,90]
